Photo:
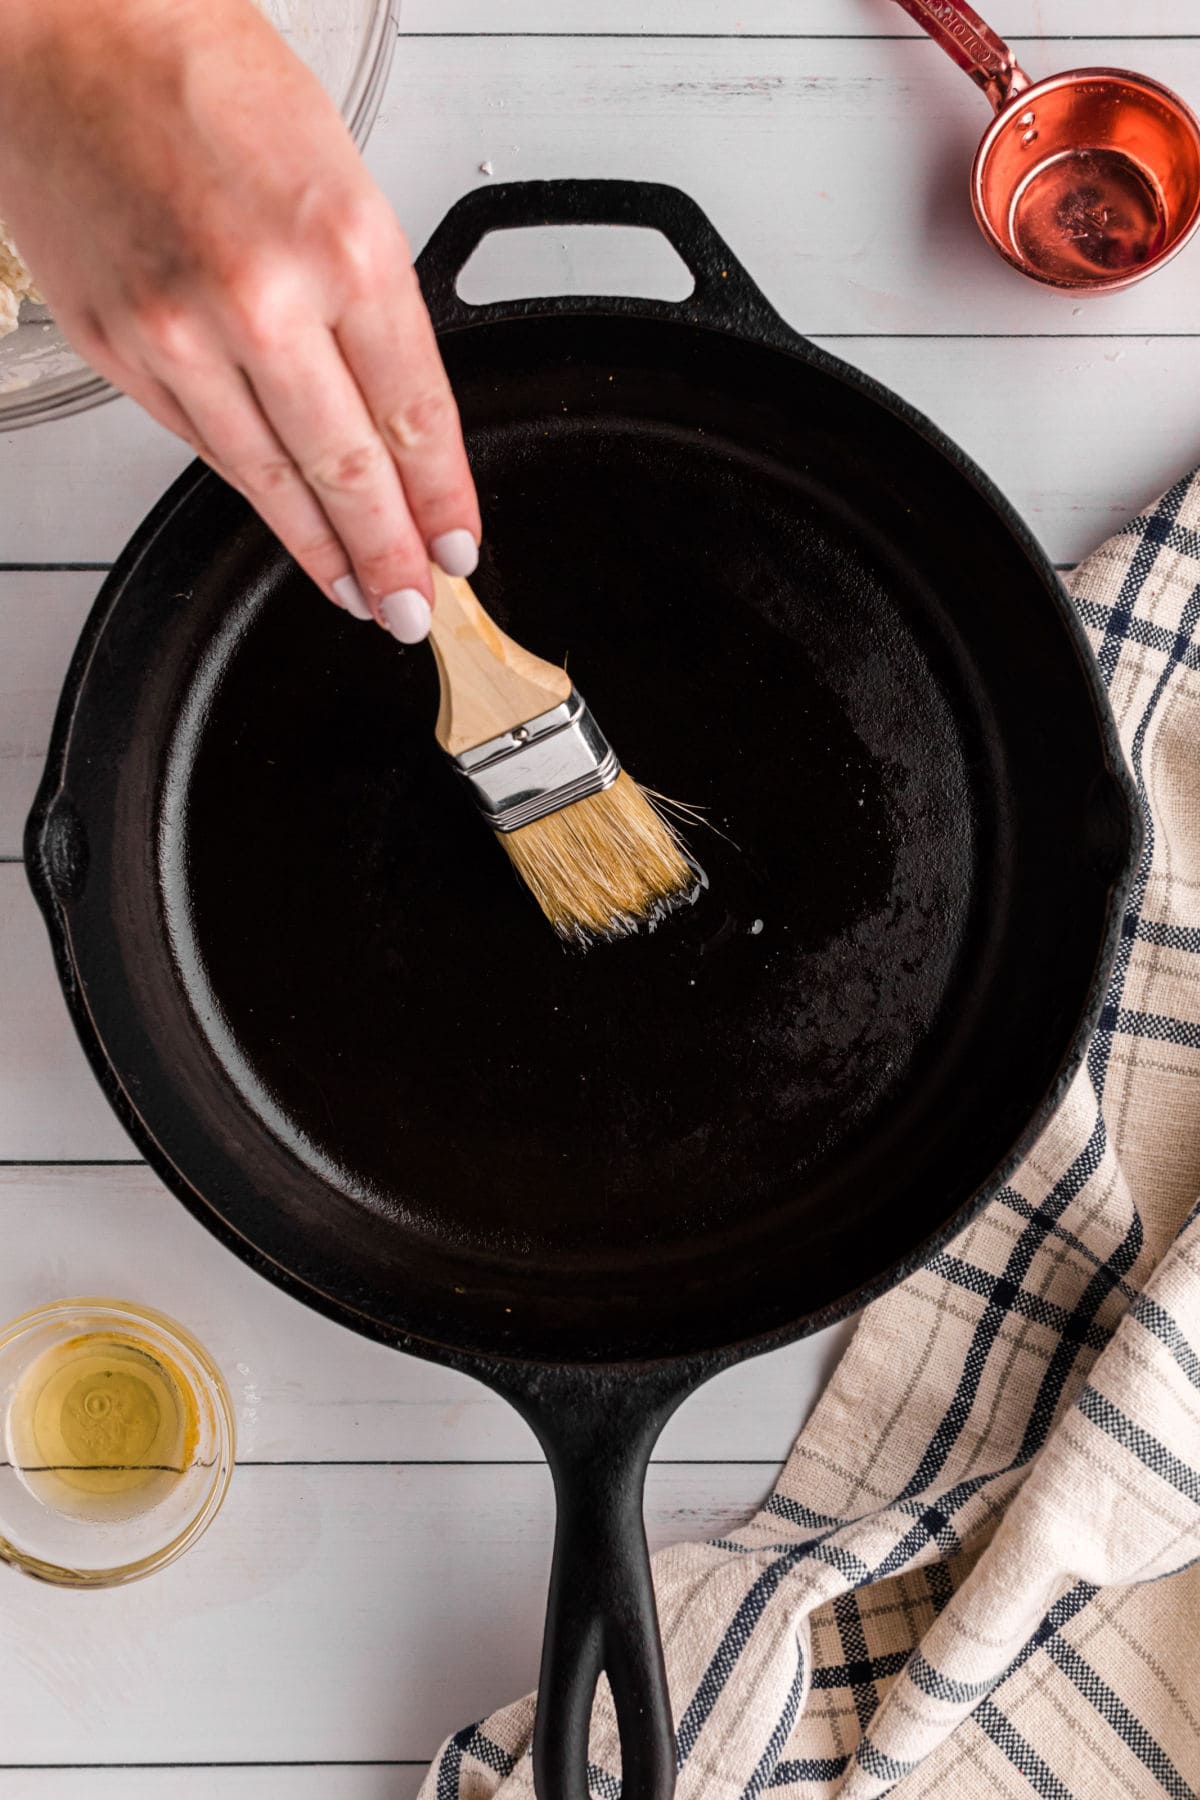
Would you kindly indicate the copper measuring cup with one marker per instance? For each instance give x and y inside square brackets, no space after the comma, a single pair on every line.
[1086,180]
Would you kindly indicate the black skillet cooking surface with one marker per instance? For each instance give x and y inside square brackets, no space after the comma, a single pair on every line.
[348,1041]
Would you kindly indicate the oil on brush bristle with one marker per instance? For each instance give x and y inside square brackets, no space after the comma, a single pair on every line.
[604,866]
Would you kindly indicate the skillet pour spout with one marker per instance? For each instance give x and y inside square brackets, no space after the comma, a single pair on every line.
[342,1034]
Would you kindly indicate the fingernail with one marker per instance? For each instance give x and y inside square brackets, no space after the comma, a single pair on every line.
[408,615]
[350,594]
[456,552]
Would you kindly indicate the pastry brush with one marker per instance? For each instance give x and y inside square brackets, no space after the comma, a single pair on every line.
[588,842]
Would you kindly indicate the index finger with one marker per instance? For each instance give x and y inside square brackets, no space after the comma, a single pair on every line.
[389,344]
[314,405]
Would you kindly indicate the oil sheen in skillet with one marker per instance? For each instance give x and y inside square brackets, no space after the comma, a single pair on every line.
[420,1033]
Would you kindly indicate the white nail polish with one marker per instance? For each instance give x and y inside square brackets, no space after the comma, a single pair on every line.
[351,597]
[408,615]
[456,552]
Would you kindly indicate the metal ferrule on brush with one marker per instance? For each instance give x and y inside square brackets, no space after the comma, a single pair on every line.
[539,767]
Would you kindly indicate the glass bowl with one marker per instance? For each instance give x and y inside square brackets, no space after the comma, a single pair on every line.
[348,45]
[116,1442]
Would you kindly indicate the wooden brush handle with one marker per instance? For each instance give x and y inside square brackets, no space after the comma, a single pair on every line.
[489,684]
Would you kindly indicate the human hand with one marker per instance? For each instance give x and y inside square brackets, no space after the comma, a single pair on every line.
[208,238]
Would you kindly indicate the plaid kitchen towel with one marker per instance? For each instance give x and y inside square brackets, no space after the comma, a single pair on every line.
[978,1574]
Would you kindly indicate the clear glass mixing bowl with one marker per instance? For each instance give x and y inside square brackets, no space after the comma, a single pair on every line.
[348,46]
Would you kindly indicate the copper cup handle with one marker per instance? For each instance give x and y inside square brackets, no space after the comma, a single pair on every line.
[973,45]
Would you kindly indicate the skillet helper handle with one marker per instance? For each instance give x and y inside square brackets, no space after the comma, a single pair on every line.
[56,850]
[970,42]
[724,294]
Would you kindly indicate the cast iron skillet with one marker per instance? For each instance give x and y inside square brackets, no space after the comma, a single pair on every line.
[347,1041]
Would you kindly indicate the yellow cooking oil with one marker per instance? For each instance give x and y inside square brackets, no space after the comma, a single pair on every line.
[102,1427]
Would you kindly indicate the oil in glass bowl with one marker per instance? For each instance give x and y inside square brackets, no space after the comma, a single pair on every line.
[101,1427]
[118,1442]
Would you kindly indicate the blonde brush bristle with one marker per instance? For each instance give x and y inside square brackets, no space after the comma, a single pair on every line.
[522,735]
[604,866]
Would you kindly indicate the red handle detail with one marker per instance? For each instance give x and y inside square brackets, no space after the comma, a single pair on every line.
[973,45]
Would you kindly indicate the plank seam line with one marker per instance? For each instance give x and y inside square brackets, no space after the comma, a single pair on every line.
[495,1462]
[483,1462]
[810,37]
[413,1762]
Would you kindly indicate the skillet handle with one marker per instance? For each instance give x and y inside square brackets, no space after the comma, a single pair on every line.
[598,1427]
[724,294]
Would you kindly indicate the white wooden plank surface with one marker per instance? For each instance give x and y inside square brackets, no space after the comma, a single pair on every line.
[306,1389]
[381,1781]
[50,1105]
[837,168]
[1012,18]
[40,617]
[330,1613]
[112,463]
